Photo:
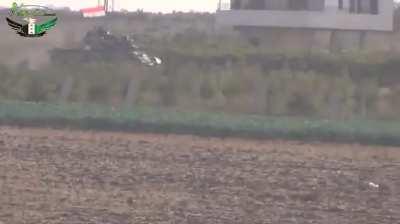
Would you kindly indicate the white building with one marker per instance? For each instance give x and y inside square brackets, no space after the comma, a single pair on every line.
[369,15]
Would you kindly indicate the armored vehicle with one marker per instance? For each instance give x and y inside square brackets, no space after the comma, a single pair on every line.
[100,44]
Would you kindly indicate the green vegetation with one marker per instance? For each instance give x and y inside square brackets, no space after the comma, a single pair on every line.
[100,117]
[22,11]
[315,86]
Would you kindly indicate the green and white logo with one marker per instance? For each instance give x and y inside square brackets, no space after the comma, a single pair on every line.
[31,20]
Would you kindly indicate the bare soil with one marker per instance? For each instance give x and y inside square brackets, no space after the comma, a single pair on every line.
[55,176]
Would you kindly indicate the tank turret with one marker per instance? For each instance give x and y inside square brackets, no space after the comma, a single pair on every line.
[100,44]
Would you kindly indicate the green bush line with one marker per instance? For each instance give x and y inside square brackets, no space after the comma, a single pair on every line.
[359,64]
[97,117]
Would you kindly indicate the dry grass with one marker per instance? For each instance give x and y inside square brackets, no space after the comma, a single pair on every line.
[49,176]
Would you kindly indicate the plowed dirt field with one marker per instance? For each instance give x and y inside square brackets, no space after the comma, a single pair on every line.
[73,177]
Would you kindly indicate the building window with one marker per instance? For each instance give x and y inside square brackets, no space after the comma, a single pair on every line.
[298,5]
[364,6]
[340,5]
[352,6]
[374,7]
[236,4]
[256,4]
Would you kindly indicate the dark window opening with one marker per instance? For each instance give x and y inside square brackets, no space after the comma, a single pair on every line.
[298,5]
[374,7]
[364,6]
[358,6]
[236,4]
[352,6]
[257,4]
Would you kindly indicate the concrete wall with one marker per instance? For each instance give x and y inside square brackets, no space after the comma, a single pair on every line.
[310,19]
[306,40]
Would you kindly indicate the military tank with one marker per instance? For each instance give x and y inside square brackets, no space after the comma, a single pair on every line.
[100,44]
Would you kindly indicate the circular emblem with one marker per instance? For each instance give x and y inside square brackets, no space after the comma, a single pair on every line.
[31,20]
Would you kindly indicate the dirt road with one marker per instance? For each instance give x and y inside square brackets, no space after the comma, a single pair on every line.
[53,176]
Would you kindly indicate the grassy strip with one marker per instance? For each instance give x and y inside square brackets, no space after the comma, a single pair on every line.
[204,124]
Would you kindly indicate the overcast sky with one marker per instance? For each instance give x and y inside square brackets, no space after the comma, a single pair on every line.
[147,5]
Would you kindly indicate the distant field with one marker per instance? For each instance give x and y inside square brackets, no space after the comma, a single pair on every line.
[58,177]
[155,120]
